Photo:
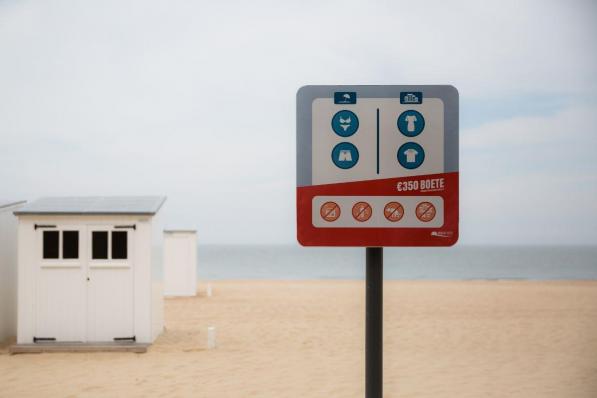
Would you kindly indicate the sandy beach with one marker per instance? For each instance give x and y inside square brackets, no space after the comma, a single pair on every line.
[306,339]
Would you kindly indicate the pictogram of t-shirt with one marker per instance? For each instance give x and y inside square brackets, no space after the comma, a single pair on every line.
[410,120]
[411,155]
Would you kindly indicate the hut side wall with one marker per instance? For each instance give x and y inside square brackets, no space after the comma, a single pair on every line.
[157,273]
[8,272]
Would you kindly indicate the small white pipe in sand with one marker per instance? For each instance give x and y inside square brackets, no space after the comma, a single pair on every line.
[209,290]
[211,337]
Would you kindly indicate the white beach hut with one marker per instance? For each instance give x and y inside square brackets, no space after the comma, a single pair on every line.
[180,262]
[8,269]
[89,270]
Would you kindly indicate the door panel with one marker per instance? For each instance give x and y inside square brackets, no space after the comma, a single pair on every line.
[61,304]
[110,308]
[61,290]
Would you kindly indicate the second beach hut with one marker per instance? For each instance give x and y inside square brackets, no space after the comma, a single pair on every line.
[180,262]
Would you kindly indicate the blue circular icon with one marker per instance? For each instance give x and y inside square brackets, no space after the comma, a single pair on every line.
[345,155]
[411,123]
[345,123]
[411,155]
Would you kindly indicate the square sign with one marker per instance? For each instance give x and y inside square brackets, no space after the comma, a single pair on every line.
[377,166]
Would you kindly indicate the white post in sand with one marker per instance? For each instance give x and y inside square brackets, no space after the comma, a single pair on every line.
[211,337]
[209,290]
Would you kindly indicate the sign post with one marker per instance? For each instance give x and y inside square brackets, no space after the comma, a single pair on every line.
[374,323]
[377,166]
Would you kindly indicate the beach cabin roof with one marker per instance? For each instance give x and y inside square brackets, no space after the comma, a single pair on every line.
[94,205]
[10,203]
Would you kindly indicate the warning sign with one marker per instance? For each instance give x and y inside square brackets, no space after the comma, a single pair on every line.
[393,211]
[377,165]
[425,211]
[330,211]
[362,211]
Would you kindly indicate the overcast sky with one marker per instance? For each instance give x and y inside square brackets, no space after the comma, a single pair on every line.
[196,101]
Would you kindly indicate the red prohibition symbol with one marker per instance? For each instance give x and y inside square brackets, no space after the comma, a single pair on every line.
[393,211]
[425,211]
[330,211]
[362,211]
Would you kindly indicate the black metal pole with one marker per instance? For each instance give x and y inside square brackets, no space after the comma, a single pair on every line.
[374,324]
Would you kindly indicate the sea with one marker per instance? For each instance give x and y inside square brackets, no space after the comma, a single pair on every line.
[218,262]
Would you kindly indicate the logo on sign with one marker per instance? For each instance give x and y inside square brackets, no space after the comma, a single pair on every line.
[442,234]
[345,97]
[414,97]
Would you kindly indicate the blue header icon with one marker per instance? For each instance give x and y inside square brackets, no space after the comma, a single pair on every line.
[345,97]
[411,97]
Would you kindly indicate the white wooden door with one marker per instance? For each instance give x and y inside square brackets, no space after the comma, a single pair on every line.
[110,305]
[61,284]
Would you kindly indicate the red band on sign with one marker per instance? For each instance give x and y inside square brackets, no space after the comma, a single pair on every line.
[444,235]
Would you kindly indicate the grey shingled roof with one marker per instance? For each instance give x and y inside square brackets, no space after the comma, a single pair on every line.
[10,203]
[94,205]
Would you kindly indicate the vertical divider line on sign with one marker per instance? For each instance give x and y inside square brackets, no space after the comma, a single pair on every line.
[377,140]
